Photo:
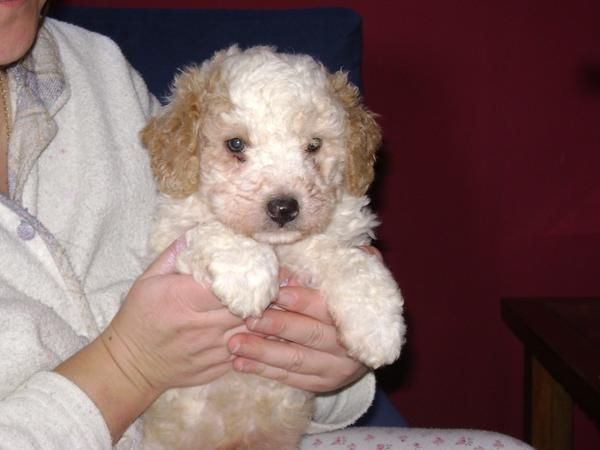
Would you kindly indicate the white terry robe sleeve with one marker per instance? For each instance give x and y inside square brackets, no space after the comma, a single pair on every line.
[49,412]
[46,411]
[341,409]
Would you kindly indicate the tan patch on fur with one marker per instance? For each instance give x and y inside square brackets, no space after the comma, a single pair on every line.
[363,137]
[235,412]
[173,137]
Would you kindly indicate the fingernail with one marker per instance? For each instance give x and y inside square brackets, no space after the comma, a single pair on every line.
[234,347]
[170,262]
[252,322]
[240,365]
[180,244]
[285,298]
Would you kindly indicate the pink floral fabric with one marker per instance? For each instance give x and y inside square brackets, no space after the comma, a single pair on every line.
[411,439]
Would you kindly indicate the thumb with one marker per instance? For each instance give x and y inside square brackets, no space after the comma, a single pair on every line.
[165,262]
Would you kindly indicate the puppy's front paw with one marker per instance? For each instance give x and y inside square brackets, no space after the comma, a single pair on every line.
[373,339]
[368,313]
[245,280]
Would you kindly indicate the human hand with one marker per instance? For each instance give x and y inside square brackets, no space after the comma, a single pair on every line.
[171,331]
[296,343]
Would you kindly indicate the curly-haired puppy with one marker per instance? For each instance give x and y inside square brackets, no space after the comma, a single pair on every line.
[264,159]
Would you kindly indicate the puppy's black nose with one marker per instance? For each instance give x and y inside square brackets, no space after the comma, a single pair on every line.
[283,210]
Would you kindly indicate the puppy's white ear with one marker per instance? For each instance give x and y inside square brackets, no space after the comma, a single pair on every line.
[172,136]
[363,137]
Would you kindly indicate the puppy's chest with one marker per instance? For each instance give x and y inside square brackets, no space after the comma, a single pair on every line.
[300,260]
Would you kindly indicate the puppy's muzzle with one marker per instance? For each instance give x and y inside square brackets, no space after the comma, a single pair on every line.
[282,210]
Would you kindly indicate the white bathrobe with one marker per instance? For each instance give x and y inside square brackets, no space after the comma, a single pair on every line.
[73,230]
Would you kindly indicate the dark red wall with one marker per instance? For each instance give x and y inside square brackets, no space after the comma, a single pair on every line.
[489,184]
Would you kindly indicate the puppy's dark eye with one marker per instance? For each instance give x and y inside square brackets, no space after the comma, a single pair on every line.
[314,145]
[235,145]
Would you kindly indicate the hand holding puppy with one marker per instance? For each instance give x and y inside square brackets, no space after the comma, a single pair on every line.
[170,332]
[307,354]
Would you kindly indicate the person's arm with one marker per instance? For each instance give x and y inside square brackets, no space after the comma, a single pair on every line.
[38,408]
[50,412]
[120,396]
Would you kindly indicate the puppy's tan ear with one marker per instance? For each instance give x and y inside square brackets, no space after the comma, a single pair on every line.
[172,136]
[363,137]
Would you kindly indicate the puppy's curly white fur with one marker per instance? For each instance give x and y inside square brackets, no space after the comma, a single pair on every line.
[264,159]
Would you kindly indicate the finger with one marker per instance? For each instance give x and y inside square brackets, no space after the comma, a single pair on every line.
[288,278]
[297,328]
[215,317]
[307,382]
[235,327]
[210,356]
[165,262]
[372,251]
[304,301]
[312,383]
[284,355]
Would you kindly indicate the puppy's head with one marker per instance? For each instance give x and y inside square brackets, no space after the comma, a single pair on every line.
[269,141]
